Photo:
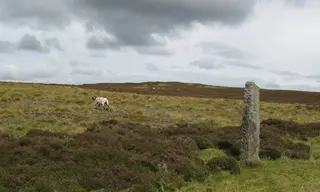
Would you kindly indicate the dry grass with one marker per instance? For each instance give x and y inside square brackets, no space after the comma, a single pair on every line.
[70,109]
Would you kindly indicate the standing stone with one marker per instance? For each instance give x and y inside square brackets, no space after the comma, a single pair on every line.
[250,134]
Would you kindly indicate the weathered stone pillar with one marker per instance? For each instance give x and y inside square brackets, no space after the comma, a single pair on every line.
[250,134]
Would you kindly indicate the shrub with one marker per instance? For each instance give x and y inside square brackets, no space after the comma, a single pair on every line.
[230,164]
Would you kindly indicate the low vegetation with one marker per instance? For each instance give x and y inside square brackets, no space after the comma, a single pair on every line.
[53,138]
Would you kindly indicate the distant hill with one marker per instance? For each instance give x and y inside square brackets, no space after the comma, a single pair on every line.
[200,90]
[206,91]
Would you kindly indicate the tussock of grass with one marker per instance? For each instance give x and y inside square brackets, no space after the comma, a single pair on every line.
[210,153]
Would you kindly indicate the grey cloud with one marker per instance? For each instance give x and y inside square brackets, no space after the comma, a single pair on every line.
[101,43]
[296,3]
[31,43]
[74,63]
[223,50]
[40,73]
[159,16]
[285,73]
[6,47]
[232,55]
[131,22]
[151,67]
[83,68]
[153,51]
[97,55]
[242,64]
[313,76]
[206,64]
[53,43]
[10,72]
[43,14]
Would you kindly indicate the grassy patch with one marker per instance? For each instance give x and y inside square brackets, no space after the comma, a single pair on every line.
[278,175]
[70,109]
[315,147]
[210,153]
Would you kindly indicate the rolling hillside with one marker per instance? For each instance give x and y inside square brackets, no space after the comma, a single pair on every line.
[205,91]
[53,139]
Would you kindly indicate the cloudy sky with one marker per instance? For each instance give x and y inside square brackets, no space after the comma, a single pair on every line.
[275,43]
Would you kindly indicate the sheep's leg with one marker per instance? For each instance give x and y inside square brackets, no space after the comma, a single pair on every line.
[108,106]
[104,105]
[96,103]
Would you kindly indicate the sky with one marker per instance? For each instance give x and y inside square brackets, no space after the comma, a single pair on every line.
[274,43]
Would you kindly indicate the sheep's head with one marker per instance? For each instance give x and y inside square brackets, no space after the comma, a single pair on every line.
[94,97]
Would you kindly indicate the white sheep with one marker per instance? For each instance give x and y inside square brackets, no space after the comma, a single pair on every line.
[100,101]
